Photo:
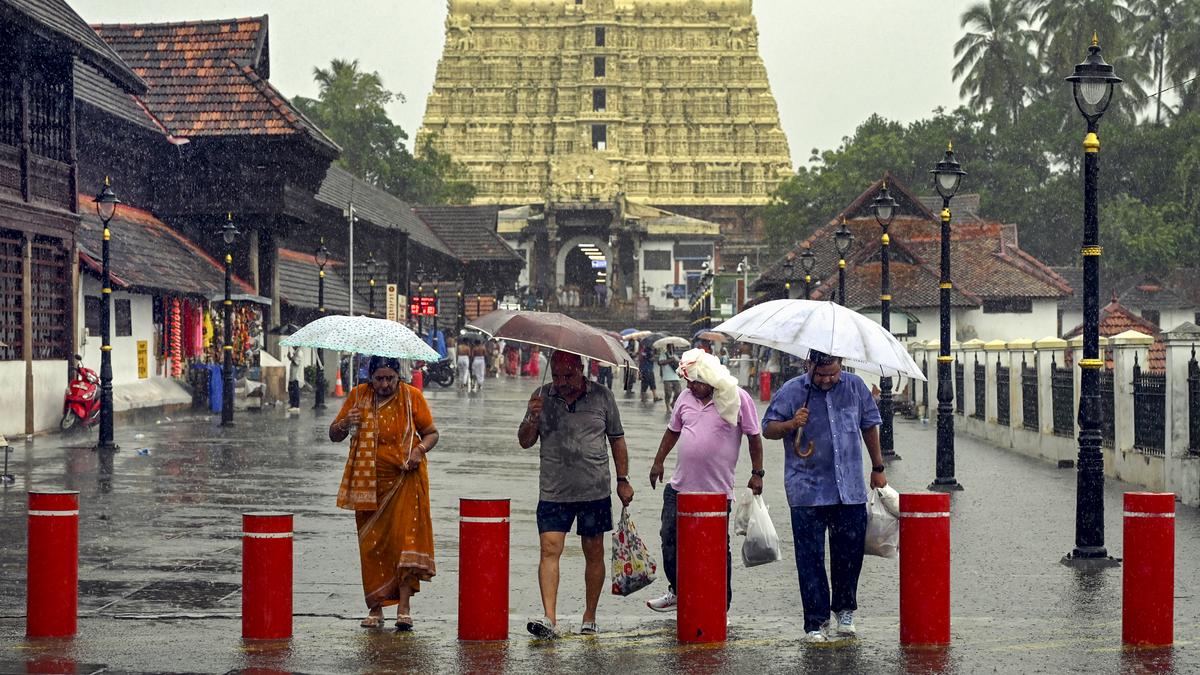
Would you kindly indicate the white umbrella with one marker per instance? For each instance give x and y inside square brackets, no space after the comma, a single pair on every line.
[673,341]
[797,326]
[362,335]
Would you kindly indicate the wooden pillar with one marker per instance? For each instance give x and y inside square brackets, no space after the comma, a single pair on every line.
[27,326]
[252,257]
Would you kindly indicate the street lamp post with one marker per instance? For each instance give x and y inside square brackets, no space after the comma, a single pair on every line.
[371,267]
[788,266]
[843,239]
[228,234]
[1092,82]
[807,262]
[106,206]
[885,209]
[744,268]
[322,258]
[947,176]
[706,290]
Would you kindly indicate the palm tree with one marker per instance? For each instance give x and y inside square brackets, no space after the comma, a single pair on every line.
[994,58]
[1154,25]
[1183,57]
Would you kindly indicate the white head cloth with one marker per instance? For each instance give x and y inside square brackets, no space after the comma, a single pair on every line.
[700,366]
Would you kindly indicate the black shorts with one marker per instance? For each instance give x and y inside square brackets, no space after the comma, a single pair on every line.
[594,517]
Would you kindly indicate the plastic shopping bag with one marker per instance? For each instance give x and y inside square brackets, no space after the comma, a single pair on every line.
[742,498]
[762,541]
[883,523]
[632,566]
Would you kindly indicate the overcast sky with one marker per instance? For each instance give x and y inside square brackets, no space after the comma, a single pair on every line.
[831,62]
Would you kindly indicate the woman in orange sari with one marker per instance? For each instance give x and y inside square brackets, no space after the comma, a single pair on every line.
[386,484]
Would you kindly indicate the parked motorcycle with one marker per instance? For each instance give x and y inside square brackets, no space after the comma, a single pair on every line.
[441,372]
[81,403]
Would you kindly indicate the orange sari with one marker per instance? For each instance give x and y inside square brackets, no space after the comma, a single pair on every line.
[390,503]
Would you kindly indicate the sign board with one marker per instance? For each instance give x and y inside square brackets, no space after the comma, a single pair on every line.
[143,357]
[599,264]
[391,315]
[401,308]
[423,305]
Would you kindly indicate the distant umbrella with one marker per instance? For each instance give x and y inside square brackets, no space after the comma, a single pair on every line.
[556,331]
[671,341]
[362,335]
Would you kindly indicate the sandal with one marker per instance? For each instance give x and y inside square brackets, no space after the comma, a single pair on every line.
[372,621]
[404,623]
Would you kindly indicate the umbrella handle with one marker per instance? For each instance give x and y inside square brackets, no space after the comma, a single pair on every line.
[804,454]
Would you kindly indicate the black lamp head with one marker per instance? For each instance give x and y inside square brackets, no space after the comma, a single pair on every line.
[884,206]
[371,264]
[322,255]
[1093,82]
[948,174]
[229,231]
[106,202]
[843,239]
[807,261]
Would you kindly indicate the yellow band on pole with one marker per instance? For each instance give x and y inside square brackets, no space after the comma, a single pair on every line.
[945,359]
[106,348]
[228,348]
[1091,251]
[945,215]
[1091,142]
[945,285]
[1091,363]
[886,239]
[842,264]
[888,298]
[106,289]
[106,235]
[227,302]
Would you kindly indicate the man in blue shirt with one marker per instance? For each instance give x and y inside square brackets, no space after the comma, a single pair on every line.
[823,418]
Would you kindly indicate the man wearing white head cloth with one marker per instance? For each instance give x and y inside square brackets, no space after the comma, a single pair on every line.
[708,422]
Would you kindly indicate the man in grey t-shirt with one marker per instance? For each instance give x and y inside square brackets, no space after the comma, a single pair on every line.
[577,422]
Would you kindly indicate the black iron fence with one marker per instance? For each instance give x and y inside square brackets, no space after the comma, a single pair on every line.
[925,386]
[1029,396]
[959,376]
[1193,405]
[1149,410]
[1062,395]
[1002,401]
[981,390]
[1108,422]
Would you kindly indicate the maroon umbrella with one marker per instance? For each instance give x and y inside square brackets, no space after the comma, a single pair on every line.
[554,331]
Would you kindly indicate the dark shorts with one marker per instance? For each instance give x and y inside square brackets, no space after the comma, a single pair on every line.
[594,517]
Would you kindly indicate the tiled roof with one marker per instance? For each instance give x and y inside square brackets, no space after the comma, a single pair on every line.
[1115,319]
[146,254]
[299,278]
[96,90]
[207,78]
[469,231]
[1153,294]
[912,287]
[54,19]
[1178,290]
[341,187]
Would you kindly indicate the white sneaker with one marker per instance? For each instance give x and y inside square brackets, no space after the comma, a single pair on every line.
[845,623]
[667,603]
[829,628]
[814,636]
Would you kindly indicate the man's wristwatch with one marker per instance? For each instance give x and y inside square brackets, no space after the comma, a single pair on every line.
[878,468]
[622,479]
[758,472]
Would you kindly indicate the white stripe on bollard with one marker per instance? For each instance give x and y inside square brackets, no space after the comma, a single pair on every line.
[267,535]
[703,514]
[53,513]
[925,514]
[1143,514]
[482,519]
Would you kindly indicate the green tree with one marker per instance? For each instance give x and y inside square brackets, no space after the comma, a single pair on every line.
[351,108]
[1154,24]
[995,62]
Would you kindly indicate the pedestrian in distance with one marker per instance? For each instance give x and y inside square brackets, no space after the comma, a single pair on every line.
[647,364]
[386,484]
[667,363]
[295,375]
[823,417]
[577,424]
[478,365]
[708,423]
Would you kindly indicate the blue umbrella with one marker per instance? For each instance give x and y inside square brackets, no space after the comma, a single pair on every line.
[627,331]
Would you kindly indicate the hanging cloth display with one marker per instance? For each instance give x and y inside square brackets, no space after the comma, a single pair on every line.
[208,329]
[176,338]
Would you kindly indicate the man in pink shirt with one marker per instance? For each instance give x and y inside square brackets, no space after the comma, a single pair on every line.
[708,422]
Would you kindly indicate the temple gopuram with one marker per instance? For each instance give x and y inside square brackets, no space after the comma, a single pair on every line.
[644,130]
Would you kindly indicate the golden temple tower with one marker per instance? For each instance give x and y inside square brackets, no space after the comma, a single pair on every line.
[664,102]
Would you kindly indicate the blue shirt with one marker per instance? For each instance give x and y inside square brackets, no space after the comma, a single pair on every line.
[833,474]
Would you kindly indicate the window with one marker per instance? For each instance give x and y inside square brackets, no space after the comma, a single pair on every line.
[91,315]
[599,36]
[1008,306]
[50,298]
[1152,315]
[11,298]
[598,66]
[123,315]
[599,100]
[656,260]
[599,136]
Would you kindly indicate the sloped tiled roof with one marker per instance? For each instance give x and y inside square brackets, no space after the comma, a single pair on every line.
[207,78]
[54,19]
[96,90]
[341,187]
[1115,319]
[469,231]
[146,254]
[1153,294]
[299,279]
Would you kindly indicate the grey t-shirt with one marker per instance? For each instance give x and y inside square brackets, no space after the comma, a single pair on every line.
[575,444]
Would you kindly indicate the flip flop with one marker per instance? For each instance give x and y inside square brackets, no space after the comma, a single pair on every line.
[372,621]
[404,623]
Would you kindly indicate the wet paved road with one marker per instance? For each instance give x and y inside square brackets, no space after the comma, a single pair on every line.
[160,561]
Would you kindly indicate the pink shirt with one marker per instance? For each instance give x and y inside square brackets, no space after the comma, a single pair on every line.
[708,447]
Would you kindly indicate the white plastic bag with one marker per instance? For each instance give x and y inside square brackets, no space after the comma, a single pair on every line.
[883,523]
[742,498]
[762,541]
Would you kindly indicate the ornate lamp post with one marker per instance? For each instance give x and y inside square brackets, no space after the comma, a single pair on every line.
[788,266]
[807,262]
[885,209]
[106,206]
[322,257]
[744,268]
[228,234]
[371,268]
[947,177]
[1093,82]
[706,281]
[843,239]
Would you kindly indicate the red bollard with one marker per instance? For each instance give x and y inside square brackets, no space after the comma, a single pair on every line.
[925,568]
[1148,580]
[52,592]
[483,569]
[702,521]
[266,575]
[764,386]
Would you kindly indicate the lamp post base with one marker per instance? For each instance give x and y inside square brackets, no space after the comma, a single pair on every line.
[892,456]
[106,447]
[1090,559]
[945,485]
[229,423]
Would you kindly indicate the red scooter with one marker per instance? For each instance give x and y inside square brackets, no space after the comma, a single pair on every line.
[81,404]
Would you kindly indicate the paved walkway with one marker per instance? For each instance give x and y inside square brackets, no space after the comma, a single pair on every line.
[160,561]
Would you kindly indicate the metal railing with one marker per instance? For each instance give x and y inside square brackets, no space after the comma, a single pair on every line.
[980,390]
[1029,396]
[1062,399]
[1002,395]
[959,376]
[1149,410]
[1193,405]
[925,387]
